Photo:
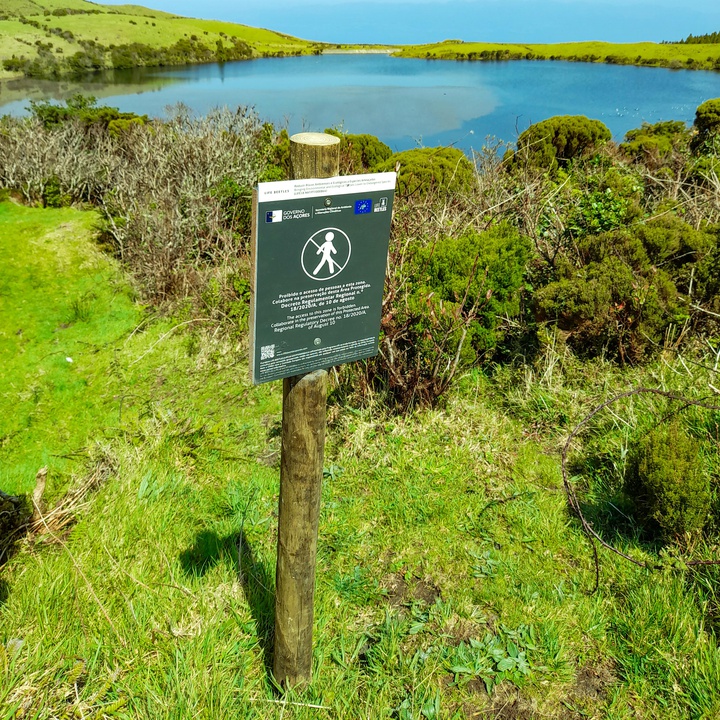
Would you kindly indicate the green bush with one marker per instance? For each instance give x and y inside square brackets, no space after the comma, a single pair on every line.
[619,293]
[443,310]
[422,171]
[556,141]
[707,127]
[15,64]
[276,149]
[123,125]
[655,144]
[360,152]
[84,109]
[473,274]
[668,482]
[53,195]
[234,203]
[707,277]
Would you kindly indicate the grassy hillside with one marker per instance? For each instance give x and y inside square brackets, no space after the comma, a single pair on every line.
[675,55]
[56,340]
[77,35]
[452,583]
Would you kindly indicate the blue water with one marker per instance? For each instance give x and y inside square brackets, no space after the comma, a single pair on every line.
[410,102]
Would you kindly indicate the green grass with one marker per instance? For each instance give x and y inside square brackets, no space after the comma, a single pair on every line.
[675,55]
[65,308]
[446,552]
[122,24]
[33,7]
[118,28]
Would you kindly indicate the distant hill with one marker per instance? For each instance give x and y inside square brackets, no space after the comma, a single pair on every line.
[51,38]
[685,55]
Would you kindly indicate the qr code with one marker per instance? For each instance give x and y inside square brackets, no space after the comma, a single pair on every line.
[267,352]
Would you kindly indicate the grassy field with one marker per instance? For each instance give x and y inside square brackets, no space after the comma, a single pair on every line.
[675,55]
[110,25]
[57,339]
[452,581]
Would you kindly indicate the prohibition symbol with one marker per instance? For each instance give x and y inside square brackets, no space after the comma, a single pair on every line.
[326,253]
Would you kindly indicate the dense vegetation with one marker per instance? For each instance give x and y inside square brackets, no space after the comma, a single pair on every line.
[50,39]
[677,55]
[529,289]
[705,39]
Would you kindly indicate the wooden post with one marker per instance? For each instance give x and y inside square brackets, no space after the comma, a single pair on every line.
[312,155]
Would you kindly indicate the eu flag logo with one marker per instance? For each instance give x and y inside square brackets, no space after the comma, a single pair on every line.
[362,207]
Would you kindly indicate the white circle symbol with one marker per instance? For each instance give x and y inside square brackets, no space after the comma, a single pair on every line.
[326,254]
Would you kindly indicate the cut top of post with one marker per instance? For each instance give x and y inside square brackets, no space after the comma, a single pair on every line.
[314,155]
[314,138]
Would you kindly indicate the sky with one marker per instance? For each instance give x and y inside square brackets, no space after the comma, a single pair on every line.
[420,21]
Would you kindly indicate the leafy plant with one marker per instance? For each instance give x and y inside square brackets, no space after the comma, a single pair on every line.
[360,153]
[669,483]
[494,659]
[655,143]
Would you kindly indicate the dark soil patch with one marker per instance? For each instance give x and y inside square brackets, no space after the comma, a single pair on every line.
[593,681]
[461,630]
[508,704]
[14,516]
[400,592]
[589,691]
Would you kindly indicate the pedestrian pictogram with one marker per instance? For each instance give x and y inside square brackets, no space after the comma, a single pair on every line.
[326,254]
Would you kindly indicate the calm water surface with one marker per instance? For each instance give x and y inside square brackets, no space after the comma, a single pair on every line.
[404,102]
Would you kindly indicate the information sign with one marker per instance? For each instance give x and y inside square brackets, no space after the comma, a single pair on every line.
[319,258]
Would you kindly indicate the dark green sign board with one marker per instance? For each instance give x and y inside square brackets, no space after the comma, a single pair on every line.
[319,254]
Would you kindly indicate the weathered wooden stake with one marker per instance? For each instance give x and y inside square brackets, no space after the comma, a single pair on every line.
[312,155]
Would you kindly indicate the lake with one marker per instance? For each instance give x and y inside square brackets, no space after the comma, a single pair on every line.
[405,102]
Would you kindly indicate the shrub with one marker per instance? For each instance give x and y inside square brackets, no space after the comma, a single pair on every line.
[707,127]
[476,274]
[85,110]
[707,278]
[360,152]
[668,482]
[124,124]
[556,141]
[654,144]
[277,153]
[173,195]
[443,309]
[444,171]
[235,206]
[53,195]
[620,294]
